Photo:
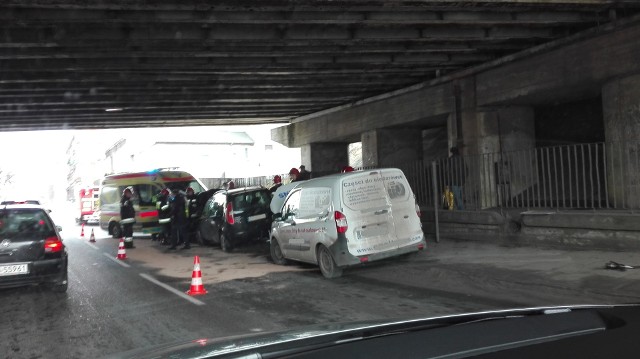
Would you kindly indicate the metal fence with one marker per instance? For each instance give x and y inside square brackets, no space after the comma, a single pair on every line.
[580,176]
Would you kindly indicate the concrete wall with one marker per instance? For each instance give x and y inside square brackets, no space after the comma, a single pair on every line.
[569,123]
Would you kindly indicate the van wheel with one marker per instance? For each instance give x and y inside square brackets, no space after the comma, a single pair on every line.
[116,231]
[327,265]
[276,253]
[225,245]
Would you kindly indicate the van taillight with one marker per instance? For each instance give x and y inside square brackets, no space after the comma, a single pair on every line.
[229,214]
[418,210]
[53,245]
[341,222]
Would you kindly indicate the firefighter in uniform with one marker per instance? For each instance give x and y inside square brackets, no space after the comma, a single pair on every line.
[178,220]
[164,216]
[192,213]
[127,216]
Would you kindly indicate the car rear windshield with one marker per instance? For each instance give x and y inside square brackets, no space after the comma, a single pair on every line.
[251,200]
[25,224]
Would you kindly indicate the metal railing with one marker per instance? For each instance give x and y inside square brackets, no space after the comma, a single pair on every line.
[579,176]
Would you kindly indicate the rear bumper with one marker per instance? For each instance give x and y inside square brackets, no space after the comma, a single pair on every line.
[253,232]
[344,258]
[52,271]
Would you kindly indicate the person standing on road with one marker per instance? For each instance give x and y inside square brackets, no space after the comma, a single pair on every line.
[178,220]
[164,216]
[192,213]
[127,216]
[304,174]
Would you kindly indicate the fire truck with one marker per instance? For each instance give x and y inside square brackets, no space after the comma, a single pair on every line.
[89,201]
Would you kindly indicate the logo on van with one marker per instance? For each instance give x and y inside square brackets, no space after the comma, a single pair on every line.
[283,194]
[395,189]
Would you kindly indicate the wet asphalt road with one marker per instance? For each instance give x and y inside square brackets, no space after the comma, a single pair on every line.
[110,308]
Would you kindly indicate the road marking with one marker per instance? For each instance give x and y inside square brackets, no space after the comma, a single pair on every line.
[91,245]
[171,289]
[119,261]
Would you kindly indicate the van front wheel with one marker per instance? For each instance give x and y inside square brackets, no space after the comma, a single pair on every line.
[326,263]
[276,253]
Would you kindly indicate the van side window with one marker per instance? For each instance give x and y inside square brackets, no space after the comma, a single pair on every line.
[314,202]
[292,206]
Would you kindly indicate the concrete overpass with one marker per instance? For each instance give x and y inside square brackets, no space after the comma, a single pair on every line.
[491,107]
[112,63]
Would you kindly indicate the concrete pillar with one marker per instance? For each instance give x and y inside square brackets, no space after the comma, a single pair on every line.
[324,158]
[490,139]
[391,147]
[621,111]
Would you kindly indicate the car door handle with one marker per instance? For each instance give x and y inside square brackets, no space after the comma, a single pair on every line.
[382,211]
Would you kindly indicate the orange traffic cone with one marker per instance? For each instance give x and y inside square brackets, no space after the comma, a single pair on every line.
[122,254]
[196,279]
[82,230]
[92,238]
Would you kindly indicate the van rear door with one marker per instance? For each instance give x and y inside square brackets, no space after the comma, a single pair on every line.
[406,222]
[369,214]
[380,211]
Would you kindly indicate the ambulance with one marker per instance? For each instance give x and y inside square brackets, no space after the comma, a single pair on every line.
[145,186]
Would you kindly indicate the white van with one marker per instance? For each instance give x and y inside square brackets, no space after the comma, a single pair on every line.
[347,219]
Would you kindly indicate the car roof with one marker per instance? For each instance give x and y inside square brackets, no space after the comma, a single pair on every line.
[22,206]
[244,189]
[21,202]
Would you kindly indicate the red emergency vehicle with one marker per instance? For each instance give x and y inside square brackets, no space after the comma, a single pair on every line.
[89,200]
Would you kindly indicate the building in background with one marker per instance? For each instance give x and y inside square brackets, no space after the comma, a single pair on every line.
[206,152]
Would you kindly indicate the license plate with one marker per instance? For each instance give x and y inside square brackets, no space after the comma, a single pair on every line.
[257,217]
[14,269]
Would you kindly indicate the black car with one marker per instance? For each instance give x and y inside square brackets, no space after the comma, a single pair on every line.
[232,217]
[31,249]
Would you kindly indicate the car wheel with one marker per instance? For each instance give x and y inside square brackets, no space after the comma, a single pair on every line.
[225,244]
[326,263]
[276,253]
[116,231]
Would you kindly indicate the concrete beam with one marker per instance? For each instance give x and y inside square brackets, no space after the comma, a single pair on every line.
[426,104]
[565,72]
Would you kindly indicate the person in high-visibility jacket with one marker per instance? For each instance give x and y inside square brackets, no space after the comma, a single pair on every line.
[448,199]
